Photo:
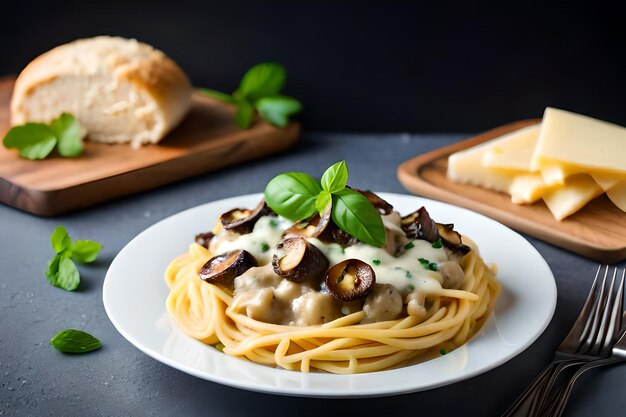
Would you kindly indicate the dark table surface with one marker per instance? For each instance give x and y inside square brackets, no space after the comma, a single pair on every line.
[119,380]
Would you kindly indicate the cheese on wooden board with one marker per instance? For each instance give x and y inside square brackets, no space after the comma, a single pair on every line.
[467,167]
[514,151]
[579,144]
[617,194]
[527,188]
[577,191]
[607,181]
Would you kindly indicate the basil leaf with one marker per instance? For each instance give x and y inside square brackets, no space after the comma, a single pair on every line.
[244,114]
[69,133]
[33,140]
[353,213]
[262,80]
[218,95]
[324,198]
[293,195]
[52,272]
[75,341]
[68,277]
[85,251]
[60,239]
[335,177]
[276,110]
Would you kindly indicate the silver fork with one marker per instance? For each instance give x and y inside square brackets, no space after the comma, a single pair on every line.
[617,353]
[589,339]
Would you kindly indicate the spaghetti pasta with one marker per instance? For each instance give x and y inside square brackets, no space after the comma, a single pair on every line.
[345,345]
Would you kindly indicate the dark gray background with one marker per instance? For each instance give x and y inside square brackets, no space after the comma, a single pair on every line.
[118,380]
[418,66]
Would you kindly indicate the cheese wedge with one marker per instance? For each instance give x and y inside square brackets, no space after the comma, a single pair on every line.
[513,152]
[567,199]
[579,144]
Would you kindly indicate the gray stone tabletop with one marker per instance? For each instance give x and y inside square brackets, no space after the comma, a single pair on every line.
[119,380]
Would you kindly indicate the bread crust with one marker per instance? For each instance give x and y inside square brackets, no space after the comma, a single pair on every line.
[148,70]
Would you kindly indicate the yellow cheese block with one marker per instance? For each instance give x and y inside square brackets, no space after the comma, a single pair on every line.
[514,151]
[579,144]
[467,167]
[607,181]
[567,199]
[527,188]
[617,194]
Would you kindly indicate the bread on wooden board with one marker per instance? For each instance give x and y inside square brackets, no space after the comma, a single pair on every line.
[121,90]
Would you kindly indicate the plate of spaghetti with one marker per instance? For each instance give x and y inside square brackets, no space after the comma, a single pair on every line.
[291,295]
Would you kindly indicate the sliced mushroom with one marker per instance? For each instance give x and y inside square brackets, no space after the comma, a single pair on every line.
[452,239]
[298,260]
[343,238]
[419,225]
[224,268]
[381,205]
[242,221]
[203,239]
[318,226]
[350,280]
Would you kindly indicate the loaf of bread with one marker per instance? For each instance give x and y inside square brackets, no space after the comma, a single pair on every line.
[120,90]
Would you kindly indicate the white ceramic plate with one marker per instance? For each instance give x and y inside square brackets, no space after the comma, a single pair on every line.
[134,296]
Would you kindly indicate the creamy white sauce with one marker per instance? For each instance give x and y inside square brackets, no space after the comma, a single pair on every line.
[405,272]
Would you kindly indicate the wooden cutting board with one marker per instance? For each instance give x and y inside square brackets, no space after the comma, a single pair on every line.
[206,140]
[598,231]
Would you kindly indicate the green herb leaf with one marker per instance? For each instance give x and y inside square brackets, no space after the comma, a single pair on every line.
[438,244]
[68,277]
[409,245]
[428,265]
[265,247]
[323,200]
[376,261]
[218,95]
[262,80]
[276,110]
[52,272]
[75,341]
[273,224]
[33,140]
[335,177]
[69,134]
[60,239]
[442,351]
[243,118]
[293,195]
[353,213]
[85,251]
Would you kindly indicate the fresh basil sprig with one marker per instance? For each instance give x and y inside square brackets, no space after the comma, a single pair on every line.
[260,89]
[62,271]
[38,140]
[75,341]
[298,196]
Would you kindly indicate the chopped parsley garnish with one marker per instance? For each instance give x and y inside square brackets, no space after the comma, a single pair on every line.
[274,223]
[409,245]
[432,266]
[409,275]
[376,261]
[411,287]
[438,244]
[265,247]
[442,351]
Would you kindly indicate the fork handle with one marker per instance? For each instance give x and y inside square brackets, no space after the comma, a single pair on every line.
[560,402]
[527,400]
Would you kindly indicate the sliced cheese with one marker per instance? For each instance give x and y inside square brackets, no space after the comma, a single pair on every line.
[567,199]
[514,151]
[467,167]
[527,188]
[607,181]
[579,144]
[617,194]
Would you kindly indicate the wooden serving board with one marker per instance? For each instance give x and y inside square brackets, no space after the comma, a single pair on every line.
[207,139]
[598,231]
